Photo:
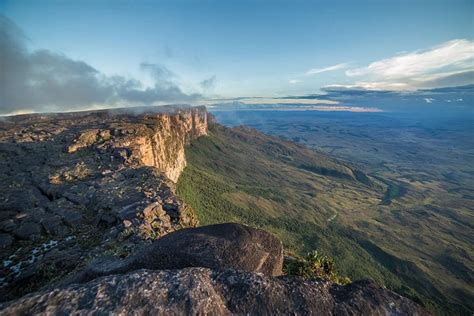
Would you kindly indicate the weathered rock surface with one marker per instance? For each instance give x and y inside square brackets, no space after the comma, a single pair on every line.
[204,291]
[218,247]
[79,185]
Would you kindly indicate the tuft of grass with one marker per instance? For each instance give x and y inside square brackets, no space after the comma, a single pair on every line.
[315,266]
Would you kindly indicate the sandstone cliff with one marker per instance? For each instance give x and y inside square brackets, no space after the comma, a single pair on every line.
[157,141]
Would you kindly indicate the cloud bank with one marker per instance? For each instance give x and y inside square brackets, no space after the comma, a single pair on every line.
[448,64]
[41,80]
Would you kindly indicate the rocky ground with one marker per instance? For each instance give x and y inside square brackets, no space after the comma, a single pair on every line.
[233,285]
[193,291]
[75,186]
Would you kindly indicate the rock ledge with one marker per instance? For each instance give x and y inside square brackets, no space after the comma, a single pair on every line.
[193,291]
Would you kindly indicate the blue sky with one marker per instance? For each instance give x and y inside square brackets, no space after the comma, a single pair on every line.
[226,49]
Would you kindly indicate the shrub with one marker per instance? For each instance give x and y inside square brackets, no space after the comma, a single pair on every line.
[314,265]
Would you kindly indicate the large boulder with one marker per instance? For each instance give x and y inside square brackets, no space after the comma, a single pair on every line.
[203,291]
[218,247]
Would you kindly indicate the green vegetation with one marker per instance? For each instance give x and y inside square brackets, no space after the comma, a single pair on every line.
[315,265]
[240,175]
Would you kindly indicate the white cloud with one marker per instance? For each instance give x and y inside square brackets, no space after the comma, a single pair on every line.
[294,81]
[420,68]
[362,85]
[316,71]
[286,101]
[44,81]
[270,100]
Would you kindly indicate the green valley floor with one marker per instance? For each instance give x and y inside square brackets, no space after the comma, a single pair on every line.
[373,227]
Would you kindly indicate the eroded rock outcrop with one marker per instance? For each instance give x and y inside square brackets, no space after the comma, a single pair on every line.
[218,247]
[202,291]
[220,269]
[157,140]
[75,186]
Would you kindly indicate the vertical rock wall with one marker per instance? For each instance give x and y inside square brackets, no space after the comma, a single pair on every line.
[164,147]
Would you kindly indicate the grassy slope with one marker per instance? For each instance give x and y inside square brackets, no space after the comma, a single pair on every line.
[308,199]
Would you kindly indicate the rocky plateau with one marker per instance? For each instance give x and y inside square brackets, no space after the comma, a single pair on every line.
[77,185]
[90,224]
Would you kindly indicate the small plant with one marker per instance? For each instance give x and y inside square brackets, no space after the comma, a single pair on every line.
[127,232]
[315,265]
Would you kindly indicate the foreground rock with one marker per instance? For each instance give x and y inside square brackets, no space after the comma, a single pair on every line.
[218,247]
[194,291]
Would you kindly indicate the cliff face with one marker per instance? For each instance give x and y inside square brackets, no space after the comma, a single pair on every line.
[77,185]
[164,148]
[158,141]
